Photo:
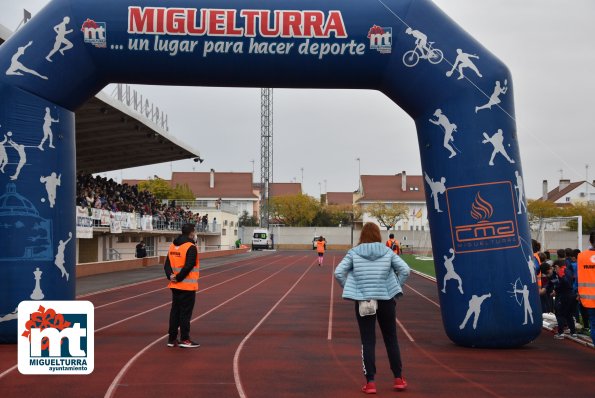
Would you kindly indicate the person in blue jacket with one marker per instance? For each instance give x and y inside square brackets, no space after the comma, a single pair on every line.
[372,271]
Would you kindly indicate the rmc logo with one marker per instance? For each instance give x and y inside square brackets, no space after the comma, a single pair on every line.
[94,33]
[483,224]
[56,337]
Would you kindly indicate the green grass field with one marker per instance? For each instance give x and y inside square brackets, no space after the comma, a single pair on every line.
[427,267]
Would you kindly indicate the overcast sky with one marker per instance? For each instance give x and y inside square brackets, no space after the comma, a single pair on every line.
[547,44]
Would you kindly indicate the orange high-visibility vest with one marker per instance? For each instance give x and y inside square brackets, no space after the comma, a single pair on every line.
[538,272]
[320,246]
[586,278]
[389,244]
[177,259]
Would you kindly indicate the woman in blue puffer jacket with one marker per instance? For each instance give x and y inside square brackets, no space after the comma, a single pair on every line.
[371,271]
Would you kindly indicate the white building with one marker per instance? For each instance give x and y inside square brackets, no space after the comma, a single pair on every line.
[399,188]
[569,192]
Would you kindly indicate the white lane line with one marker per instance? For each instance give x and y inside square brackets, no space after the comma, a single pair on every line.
[405,331]
[7,371]
[112,388]
[424,296]
[165,287]
[155,308]
[168,303]
[111,289]
[236,357]
[329,335]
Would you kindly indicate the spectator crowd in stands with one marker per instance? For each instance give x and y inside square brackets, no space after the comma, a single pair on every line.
[106,194]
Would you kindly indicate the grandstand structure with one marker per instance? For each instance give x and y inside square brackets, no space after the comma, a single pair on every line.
[110,136]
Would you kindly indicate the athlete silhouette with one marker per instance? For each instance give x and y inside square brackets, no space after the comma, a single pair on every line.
[450,272]
[497,140]
[495,97]
[16,68]
[463,61]
[61,39]
[474,309]
[437,187]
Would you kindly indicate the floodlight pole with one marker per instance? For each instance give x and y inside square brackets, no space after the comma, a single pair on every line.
[266,153]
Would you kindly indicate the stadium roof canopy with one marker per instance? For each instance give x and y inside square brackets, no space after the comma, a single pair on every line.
[111,136]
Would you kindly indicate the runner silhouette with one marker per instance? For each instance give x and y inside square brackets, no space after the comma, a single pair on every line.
[61,39]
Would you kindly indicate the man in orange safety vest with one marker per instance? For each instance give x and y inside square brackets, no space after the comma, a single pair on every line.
[586,282]
[182,270]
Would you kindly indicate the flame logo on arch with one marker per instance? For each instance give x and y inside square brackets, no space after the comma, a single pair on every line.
[481,209]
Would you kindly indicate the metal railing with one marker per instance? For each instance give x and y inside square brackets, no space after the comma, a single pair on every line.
[203,205]
[113,254]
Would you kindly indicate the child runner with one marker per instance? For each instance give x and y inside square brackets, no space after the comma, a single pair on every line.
[320,247]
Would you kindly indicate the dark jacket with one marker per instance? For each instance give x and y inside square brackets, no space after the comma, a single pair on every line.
[565,280]
[188,264]
[141,251]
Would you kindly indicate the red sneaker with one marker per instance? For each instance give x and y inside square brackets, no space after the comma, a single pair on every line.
[369,388]
[400,384]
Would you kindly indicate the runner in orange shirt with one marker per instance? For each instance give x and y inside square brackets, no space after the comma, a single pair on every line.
[320,247]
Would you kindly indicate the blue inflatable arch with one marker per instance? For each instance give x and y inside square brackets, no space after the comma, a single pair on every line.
[459,94]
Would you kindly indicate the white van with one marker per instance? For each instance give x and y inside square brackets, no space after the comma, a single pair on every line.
[261,239]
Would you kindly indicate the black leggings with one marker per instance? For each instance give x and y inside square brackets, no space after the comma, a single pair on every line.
[386,316]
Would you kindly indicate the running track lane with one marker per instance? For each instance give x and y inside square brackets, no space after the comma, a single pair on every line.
[209,368]
[108,314]
[115,346]
[311,365]
[290,354]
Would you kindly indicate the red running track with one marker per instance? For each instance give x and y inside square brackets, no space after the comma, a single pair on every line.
[275,326]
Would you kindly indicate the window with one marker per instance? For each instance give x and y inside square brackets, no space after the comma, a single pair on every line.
[225,223]
[235,232]
[122,239]
[411,228]
[224,232]
[568,198]
[260,235]
[231,223]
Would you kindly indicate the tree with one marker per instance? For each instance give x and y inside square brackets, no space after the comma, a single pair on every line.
[160,188]
[294,210]
[247,221]
[388,215]
[542,208]
[182,192]
[539,209]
